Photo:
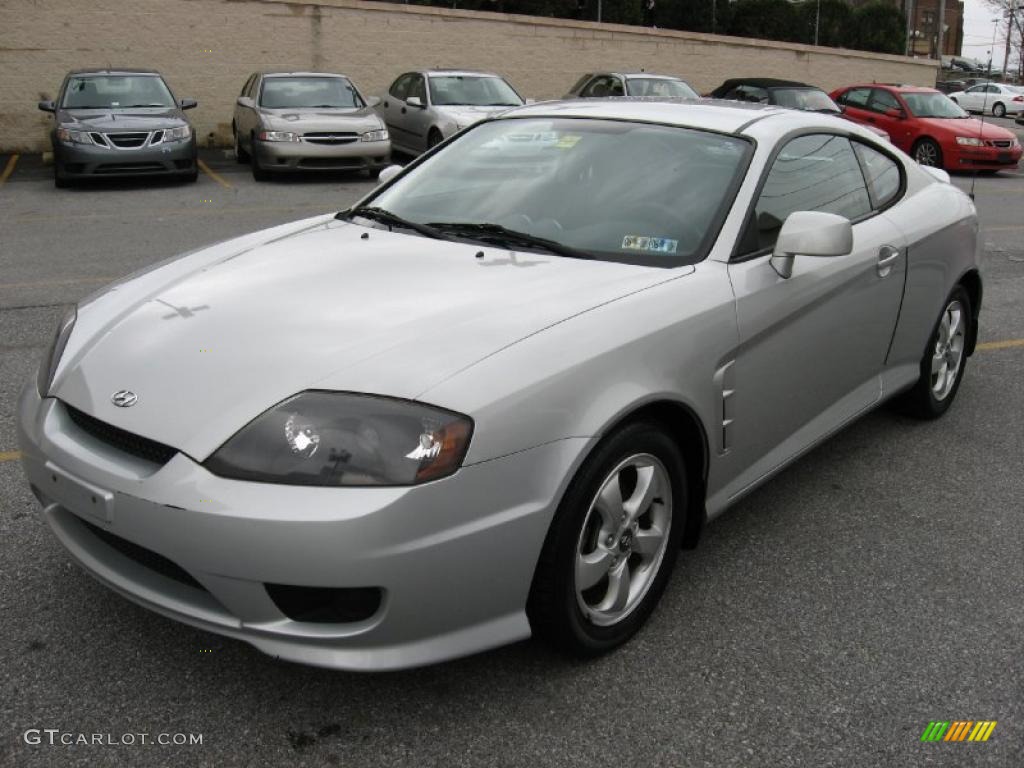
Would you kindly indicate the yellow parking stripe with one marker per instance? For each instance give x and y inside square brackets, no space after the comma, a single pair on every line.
[215,176]
[10,455]
[1009,343]
[9,168]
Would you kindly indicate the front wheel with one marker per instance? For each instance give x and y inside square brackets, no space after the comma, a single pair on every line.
[927,152]
[434,138]
[944,360]
[258,174]
[241,156]
[612,544]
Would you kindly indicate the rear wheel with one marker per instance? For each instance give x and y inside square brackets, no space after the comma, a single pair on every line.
[928,152]
[998,109]
[944,360]
[612,543]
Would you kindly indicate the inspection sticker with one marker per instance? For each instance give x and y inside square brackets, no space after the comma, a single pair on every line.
[644,243]
[568,141]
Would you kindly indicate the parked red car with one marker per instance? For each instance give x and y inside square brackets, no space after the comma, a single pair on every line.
[929,127]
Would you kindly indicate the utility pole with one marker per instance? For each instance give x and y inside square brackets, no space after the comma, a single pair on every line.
[1009,33]
[909,4]
[817,20]
[942,26]
[598,11]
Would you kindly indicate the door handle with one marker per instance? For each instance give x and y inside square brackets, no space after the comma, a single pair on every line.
[403,110]
[887,256]
[386,104]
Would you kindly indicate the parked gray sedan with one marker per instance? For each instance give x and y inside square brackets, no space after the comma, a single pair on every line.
[422,109]
[122,122]
[600,85]
[501,393]
[288,121]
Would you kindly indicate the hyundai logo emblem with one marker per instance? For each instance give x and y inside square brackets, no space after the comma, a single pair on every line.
[124,398]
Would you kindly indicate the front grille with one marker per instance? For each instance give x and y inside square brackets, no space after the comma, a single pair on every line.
[130,168]
[128,140]
[140,447]
[325,137]
[98,138]
[157,137]
[147,558]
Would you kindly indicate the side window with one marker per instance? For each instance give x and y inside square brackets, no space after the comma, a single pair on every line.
[598,87]
[856,97]
[579,83]
[992,89]
[882,174]
[752,94]
[245,88]
[400,88]
[615,87]
[418,87]
[883,100]
[818,172]
[251,88]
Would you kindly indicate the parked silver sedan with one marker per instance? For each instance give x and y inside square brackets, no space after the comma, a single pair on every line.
[601,85]
[288,121]
[424,108]
[499,395]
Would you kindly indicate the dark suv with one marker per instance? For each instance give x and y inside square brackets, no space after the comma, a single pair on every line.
[120,122]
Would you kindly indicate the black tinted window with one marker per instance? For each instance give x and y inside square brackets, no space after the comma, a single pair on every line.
[400,88]
[882,173]
[856,97]
[883,100]
[812,173]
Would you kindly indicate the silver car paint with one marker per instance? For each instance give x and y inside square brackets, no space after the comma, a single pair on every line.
[544,367]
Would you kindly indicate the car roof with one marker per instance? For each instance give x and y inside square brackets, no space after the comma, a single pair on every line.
[764,82]
[284,73]
[897,87]
[108,71]
[706,114]
[456,73]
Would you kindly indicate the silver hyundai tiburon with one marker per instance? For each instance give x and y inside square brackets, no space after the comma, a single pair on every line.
[499,395]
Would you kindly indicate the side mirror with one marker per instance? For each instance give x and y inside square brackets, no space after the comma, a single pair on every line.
[414,101]
[896,113]
[245,101]
[389,173]
[810,233]
[188,103]
[372,101]
[47,106]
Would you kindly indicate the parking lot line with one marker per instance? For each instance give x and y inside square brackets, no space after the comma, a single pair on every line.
[9,168]
[1007,344]
[10,455]
[215,176]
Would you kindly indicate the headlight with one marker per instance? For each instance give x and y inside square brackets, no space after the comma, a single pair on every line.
[48,365]
[969,141]
[177,134]
[277,136]
[345,439]
[74,137]
[375,136]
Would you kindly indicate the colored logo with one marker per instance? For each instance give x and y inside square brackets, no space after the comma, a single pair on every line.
[958,730]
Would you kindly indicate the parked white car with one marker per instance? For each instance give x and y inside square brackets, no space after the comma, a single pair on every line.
[991,98]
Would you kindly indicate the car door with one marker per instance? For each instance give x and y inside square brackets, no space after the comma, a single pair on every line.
[418,120]
[393,111]
[812,346]
[890,115]
[973,98]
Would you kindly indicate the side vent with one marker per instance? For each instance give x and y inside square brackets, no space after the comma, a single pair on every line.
[725,386]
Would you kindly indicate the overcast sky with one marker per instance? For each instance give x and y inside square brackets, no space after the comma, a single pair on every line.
[978,29]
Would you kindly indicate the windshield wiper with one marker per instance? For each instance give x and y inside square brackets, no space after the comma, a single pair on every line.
[496,233]
[390,220]
[137,106]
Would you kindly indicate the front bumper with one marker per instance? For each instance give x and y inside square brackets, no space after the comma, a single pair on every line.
[85,160]
[984,158]
[454,558]
[305,155]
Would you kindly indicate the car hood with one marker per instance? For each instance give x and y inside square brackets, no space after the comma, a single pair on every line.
[306,120]
[465,115]
[967,127]
[145,119]
[210,342]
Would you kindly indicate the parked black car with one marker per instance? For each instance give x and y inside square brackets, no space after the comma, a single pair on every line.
[120,122]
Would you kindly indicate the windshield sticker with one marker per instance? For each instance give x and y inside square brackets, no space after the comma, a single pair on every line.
[568,141]
[643,243]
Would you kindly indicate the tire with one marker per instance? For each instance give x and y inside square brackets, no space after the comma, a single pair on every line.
[241,156]
[927,152]
[60,181]
[934,392]
[434,138]
[589,621]
[258,173]
[998,110]
[191,178]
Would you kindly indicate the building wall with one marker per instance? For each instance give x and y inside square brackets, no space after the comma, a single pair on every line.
[207,48]
[924,13]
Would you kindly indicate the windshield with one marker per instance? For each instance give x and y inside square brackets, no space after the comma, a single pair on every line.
[472,90]
[661,87]
[927,104]
[808,99]
[615,190]
[116,92]
[305,92]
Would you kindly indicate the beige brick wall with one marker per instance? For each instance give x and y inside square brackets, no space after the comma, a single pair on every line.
[206,49]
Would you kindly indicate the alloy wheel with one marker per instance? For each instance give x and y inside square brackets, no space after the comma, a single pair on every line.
[927,154]
[623,540]
[948,355]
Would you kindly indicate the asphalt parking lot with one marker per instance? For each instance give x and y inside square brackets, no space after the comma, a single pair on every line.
[874,586]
